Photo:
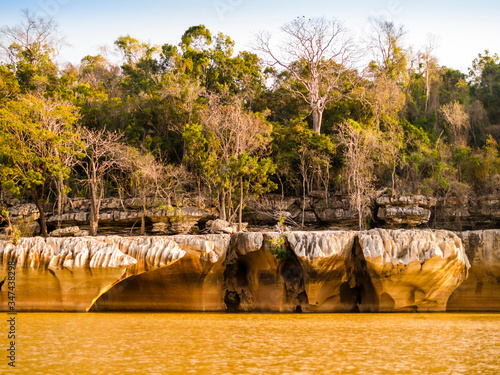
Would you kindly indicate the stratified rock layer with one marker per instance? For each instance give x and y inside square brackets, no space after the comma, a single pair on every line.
[481,290]
[413,270]
[403,210]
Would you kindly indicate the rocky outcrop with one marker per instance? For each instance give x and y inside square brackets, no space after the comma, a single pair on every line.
[377,270]
[461,213]
[316,210]
[326,260]
[117,216]
[481,290]
[252,278]
[77,274]
[413,270]
[175,273]
[61,274]
[24,217]
[404,210]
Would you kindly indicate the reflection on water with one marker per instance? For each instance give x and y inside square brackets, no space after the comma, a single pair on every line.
[161,343]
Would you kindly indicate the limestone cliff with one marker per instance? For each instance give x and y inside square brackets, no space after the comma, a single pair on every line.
[117,216]
[377,270]
[413,270]
[182,273]
[481,290]
[61,274]
[326,259]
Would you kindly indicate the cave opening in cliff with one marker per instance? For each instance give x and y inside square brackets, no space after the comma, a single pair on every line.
[363,293]
[232,301]
[235,279]
[293,278]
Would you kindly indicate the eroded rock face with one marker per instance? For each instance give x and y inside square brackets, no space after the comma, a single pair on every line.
[314,210]
[56,274]
[336,271]
[252,279]
[413,270]
[327,262]
[409,211]
[468,213]
[24,217]
[175,273]
[116,217]
[481,290]
[313,274]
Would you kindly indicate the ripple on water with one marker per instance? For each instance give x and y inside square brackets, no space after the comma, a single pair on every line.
[156,343]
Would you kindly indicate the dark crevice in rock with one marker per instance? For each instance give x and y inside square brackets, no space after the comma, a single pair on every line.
[293,278]
[471,246]
[363,291]
[350,296]
[232,301]
[237,294]
[118,293]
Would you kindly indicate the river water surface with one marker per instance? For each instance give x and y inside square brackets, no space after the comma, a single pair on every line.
[206,343]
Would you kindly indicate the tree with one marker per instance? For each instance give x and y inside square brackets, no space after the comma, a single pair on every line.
[389,57]
[385,99]
[103,152]
[29,49]
[487,86]
[151,178]
[360,148]
[316,52]
[479,63]
[430,65]
[36,141]
[226,149]
[457,119]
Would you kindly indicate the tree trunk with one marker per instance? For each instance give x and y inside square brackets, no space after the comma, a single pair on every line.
[43,224]
[222,205]
[428,91]
[60,199]
[240,216]
[303,199]
[360,214]
[317,115]
[143,217]
[393,175]
[94,212]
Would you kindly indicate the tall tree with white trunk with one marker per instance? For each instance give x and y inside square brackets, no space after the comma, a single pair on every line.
[317,53]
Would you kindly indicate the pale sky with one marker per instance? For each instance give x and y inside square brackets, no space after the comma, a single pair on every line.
[464,28]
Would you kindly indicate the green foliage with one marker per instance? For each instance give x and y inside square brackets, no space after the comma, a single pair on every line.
[279,249]
[226,153]
[36,135]
[16,235]
[302,154]
[236,124]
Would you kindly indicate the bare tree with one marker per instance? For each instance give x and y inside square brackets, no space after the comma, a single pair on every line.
[385,44]
[153,178]
[430,64]
[103,152]
[317,53]
[385,99]
[35,36]
[458,120]
[360,147]
[225,136]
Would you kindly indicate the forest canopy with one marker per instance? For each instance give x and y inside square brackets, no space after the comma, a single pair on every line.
[197,119]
